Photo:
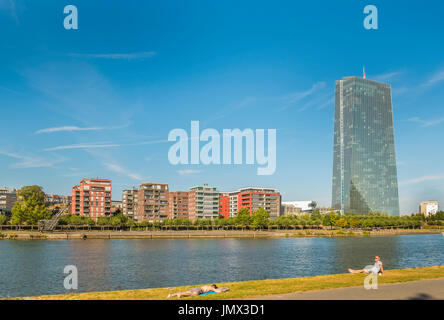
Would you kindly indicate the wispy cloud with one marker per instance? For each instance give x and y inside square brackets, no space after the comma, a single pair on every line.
[118,169]
[434,79]
[99,145]
[188,172]
[125,56]
[30,161]
[389,76]
[75,128]
[82,146]
[292,98]
[427,123]
[422,179]
[9,90]
[11,7]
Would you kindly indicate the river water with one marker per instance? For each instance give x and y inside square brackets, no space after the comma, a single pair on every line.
[36,267]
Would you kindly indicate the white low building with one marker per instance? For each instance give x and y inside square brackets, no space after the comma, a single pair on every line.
[304,206]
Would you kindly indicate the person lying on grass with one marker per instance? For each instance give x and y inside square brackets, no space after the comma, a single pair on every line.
[375,269]
[196,291]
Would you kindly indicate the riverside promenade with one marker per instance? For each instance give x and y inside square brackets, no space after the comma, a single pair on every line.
[415,290]
[190,234]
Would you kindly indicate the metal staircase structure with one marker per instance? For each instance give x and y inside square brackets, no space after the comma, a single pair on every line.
[50,224]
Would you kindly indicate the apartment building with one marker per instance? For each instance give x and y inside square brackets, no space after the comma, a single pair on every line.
[254,198]
[152,202]
[224,204]
[92,198]
[8,197]
[130,202]
[178,204]
[203,202]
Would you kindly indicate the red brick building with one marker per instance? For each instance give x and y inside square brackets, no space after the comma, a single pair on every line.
[92,198]
[254,198]
[224,204]
[178,205]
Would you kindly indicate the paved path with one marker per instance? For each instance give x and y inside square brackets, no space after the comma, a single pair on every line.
[414,290]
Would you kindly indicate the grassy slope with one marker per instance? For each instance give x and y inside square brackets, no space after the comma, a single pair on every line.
[245,289]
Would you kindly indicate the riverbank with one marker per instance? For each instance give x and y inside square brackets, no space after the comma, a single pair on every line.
[258,289]
[183,234]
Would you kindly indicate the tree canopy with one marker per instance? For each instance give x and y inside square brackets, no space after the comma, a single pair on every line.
[30,206]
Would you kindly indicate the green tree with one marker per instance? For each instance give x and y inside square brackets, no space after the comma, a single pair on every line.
[3,219]
[341,223]
[102,221]
[243,217]
[260,218]
[329,219]
[30,206]
[315,214]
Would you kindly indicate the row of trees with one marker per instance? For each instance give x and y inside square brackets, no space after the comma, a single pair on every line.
[31,207]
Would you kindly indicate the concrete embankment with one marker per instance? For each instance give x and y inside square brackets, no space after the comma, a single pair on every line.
[85,235]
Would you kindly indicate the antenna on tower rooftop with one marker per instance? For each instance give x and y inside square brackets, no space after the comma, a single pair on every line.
[363,72]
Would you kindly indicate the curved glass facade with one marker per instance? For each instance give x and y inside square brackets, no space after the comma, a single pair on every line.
[364,165]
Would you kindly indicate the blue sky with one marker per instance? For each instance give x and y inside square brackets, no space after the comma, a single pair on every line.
[100,101]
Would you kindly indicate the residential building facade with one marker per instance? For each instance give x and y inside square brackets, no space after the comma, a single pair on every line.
[203,202]
[152,202]
[92,198]
[178,205]
[8,197]
[130,202]
[254,198]
[224,204]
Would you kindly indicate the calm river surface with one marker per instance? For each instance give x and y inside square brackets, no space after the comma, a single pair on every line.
[36,267]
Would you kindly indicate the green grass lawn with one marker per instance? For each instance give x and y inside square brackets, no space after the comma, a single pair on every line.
[239,290]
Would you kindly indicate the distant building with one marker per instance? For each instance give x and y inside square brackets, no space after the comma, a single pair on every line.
[53,199]
[305,206]
[254,198]
[203,202]
[152,202]
[428,208]
[116,207]
[287,209]
[224,204]
[325,210]
[92,198]
[178,205]
[8,197]
[130,202]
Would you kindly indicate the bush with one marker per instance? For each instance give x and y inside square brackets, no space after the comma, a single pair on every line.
[3,219]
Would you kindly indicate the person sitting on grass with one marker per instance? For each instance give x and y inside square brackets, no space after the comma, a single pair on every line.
[375,269]
[196,291]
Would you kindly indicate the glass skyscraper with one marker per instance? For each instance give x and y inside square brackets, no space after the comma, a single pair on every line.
[364,165]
